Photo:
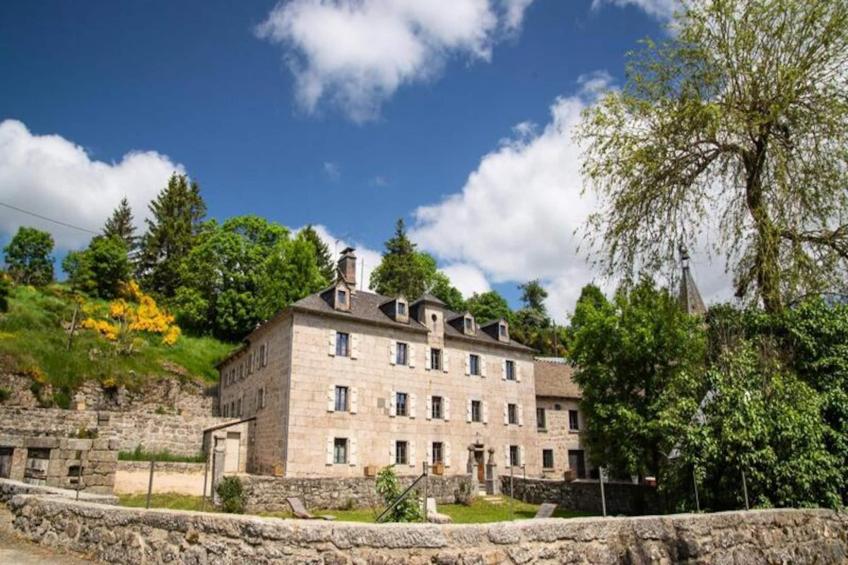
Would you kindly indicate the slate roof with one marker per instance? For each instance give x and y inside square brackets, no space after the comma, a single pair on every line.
[554,378]
[364,306]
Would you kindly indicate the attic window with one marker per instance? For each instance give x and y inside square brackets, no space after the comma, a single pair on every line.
[401,308]
[502,330]
[341,297]
[469,324]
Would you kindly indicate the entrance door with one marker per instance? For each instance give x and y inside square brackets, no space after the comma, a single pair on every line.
[231,453]
[480,461]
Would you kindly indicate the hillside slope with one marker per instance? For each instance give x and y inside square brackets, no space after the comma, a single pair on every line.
[34,341]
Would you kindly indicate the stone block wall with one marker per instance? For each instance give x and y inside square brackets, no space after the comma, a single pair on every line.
[268,494]
[585,496]
[131,535]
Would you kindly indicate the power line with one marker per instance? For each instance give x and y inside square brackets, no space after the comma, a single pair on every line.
[67,225]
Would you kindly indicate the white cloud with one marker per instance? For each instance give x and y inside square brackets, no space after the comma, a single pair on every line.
[357,53]
[54,177]
[366,258]
[660,9]
[332,170]
[516,217]
[468,279]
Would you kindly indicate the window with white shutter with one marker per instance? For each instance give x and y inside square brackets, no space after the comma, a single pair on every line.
[331,398]
[393,404]
[520,415]
[392,352]
[485,412]
[428,409]
[329,453]
[412,355]
[483,364]
[427,360]
[413,402]
[354,454]
[354,400]
[354,346]
[411,455]
[447,454]
[468,411]
[445,358]
[446,403]
[331,343]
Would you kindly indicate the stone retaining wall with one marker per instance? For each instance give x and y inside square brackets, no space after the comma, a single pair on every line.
[128,535]
[181,435]
[585,496]
[268,494]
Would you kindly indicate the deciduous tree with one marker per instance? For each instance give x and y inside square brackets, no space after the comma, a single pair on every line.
[28,258]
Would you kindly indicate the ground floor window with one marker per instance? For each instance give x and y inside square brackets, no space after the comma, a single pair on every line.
[548,458]
[401,453]
[438,453]
[514,459]
[340,450]
[577,462]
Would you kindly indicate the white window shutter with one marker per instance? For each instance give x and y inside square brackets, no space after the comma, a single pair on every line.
[447,453]
[411,360]
[354,400]
[331,398]
[354,453]
[412,404]
[503,370]
[393,404]
[429,453]
[427,364]
[485,412]
[467,365]
[468,410]
[429,408]
[483,366]
[521,455]
[410,453]
[332,343]
[517,371]
[392,452]
[329,453]
[506,456]
[392,352]
[445,358]
[446,408]
[354,346]
[520,415]
[506,413]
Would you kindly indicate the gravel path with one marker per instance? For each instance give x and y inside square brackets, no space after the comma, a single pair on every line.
[18,551]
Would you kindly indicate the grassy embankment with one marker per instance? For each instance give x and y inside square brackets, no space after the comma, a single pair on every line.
[34,340]
[480,511]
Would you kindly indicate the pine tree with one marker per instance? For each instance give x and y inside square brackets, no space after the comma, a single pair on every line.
[177,215]
[323,257]
[121,224]
[403,271]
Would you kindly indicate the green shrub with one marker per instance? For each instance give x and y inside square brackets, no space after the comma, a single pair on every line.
[389,489]
[62,398]
[5,289]
[4,394]
[231,492]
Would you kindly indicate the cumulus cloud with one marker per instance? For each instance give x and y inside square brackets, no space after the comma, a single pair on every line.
[660,9]
[467,278]
[357,53]
[54,177]
[520,214]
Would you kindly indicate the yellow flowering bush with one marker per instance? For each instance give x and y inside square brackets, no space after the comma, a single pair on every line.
[134,311]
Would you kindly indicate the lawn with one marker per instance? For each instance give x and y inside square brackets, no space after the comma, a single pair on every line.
[479,512]
[33,340]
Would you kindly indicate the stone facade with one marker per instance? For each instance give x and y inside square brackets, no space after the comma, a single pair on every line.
[130,535]
[286,375]
[561,437]
[84,464]
[268,494]
[585,496]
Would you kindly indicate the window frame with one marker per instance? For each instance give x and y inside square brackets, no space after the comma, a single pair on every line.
[341,297]
[342,344]
[401,359]
[514,456]
[474,364]
[512,413]
[404,451]
[341,445]
[399,404]
[435,359]
[402,310]
[341,393]
[541,422]
[545,453]
[476,411]
[437,453]
[573,420]
[440,404]
[509,368]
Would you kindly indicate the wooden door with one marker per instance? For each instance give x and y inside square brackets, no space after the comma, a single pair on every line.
[231,453]
[479,459]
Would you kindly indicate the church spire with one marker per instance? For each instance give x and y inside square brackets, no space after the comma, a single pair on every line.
[690,297]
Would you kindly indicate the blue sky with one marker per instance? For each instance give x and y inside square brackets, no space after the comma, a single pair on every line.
[345,114]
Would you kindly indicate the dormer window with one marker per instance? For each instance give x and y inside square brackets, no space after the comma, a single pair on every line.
[502,330]
[341,297]
[401,309]
[469,325]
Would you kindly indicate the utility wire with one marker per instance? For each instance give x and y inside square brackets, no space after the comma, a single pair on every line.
[67,225]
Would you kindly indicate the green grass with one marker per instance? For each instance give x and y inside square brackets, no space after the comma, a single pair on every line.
[33,340]
[479,512]
[139,454]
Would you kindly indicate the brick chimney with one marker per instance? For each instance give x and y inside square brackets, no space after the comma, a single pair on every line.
[346,270]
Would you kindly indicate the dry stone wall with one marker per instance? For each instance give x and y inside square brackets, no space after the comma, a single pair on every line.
[268,494]
[128,535]
[585,496]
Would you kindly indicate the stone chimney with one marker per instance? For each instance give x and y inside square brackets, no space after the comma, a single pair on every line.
[346,270]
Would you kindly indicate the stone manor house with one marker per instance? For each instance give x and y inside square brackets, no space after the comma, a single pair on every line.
[344,382]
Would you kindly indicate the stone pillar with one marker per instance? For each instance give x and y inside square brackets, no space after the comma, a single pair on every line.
[492,483]
[217,468]
[472,470]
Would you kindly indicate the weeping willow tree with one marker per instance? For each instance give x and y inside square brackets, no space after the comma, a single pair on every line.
[736,127]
